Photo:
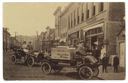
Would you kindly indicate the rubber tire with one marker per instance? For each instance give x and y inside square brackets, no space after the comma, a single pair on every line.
[32,62]
[13,59]
[95,71]
[43,68]
[88,69]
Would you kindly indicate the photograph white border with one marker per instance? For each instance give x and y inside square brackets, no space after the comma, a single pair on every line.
[63,81]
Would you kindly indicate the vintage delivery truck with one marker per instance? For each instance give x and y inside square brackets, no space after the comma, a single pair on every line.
[64,56]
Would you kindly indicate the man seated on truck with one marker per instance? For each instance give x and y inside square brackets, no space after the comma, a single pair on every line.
[80,50]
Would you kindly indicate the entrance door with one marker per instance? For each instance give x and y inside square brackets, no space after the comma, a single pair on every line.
[94,42]
[122,54]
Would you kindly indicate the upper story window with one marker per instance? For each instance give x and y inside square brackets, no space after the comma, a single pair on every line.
[74,19]
[87,15]
[94,10]
[87,11]
[78,16]
[82,14]
[82,18]
[69,22]
[78,19]
[101,6]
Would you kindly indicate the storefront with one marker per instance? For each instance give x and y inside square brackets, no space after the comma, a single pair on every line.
[121,47]
[94,36]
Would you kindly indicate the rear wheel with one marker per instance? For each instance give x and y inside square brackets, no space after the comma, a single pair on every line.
[46,67]
[85,72]
[30,61]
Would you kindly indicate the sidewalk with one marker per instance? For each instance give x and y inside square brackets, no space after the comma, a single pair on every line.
[110,75]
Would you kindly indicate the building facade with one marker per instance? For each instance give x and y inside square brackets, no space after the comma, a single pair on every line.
[121,45]
[6,40]
[94,22]
[14,42]
[44,40]
[57,14]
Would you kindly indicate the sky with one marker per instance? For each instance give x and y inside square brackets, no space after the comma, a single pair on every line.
[29,18]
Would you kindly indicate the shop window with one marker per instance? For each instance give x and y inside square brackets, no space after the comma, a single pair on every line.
[92,31]
[99,30]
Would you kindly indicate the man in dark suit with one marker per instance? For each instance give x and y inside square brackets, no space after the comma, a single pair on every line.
[104,63]
[116,63]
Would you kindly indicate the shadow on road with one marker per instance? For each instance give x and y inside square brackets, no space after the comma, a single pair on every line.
[74,75]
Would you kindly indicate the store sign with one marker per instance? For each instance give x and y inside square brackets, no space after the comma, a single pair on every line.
[61,53]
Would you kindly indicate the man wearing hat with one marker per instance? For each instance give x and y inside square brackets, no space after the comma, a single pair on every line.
[80,48]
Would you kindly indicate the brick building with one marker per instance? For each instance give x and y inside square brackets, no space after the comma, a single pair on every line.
[93,22]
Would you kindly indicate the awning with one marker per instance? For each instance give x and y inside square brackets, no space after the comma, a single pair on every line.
[93,27]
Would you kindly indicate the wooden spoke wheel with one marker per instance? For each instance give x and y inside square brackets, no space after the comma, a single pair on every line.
[46,67]
[85,72]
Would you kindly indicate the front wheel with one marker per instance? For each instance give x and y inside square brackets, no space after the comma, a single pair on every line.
[95,71]
[46,67]
[85,72]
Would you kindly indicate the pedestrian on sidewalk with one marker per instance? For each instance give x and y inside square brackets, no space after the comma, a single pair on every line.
[116,63]
[104,63]
[103,51]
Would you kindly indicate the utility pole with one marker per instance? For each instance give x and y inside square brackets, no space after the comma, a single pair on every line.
[15,43]
[15,34]
[37,41]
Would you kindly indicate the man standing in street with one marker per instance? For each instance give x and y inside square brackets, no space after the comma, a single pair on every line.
[116,63]
[103,51]
[104,63]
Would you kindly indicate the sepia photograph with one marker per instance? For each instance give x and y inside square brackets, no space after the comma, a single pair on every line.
[64,41]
